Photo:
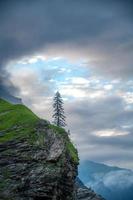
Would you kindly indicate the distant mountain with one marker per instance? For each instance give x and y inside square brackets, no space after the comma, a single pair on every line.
[113,183]
[4,94]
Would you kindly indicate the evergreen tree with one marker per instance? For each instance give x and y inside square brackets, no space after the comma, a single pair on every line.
[59,115]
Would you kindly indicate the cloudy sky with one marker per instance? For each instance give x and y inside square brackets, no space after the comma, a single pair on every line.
[84,49]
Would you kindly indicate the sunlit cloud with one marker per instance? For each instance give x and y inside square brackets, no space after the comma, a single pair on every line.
[108,87]
[128,96]
[31,59]
[80,81]
[110,133]
[73,92]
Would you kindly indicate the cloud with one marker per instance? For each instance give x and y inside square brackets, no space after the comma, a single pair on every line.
[114,184]
[119,179]
[100,31]
[84,87]
[109,132]
[92,121]
[35,92]
[32,59]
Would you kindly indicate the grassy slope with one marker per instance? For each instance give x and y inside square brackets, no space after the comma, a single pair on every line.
[16,120]
[19,122]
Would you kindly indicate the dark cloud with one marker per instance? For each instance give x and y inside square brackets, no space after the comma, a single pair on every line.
[88,117]
[108,112]
[6,86]
[103,28]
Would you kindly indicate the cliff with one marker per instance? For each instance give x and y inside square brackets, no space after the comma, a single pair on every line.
[37,159]
[84,193]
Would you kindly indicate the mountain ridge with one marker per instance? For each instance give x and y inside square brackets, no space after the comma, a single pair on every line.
[113,183]
[4,94]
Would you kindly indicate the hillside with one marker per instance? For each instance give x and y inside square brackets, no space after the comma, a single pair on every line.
[113,183]
[16,122]
[37,159]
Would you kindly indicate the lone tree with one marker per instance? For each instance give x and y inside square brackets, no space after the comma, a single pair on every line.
[59,115]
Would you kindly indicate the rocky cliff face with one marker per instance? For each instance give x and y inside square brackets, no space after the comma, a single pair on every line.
[84,193]
[37,171]
[37,159]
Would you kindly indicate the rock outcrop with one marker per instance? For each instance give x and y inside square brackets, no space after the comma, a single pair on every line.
[32,172]
[37,159]
[84,193]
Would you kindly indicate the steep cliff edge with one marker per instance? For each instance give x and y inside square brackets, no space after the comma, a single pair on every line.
[84,193]
[37,159]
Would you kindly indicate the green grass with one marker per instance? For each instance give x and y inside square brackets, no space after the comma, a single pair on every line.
[15,115]
[73,151]
[4,105]
[57,129]
[17,120]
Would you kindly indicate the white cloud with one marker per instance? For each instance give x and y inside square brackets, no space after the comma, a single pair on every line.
[110,133]
[80,81]
[32,59]
[62,70]
[80,87]
[108,87]
[28,82]
[118,179]
[69,90]
[128,96]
